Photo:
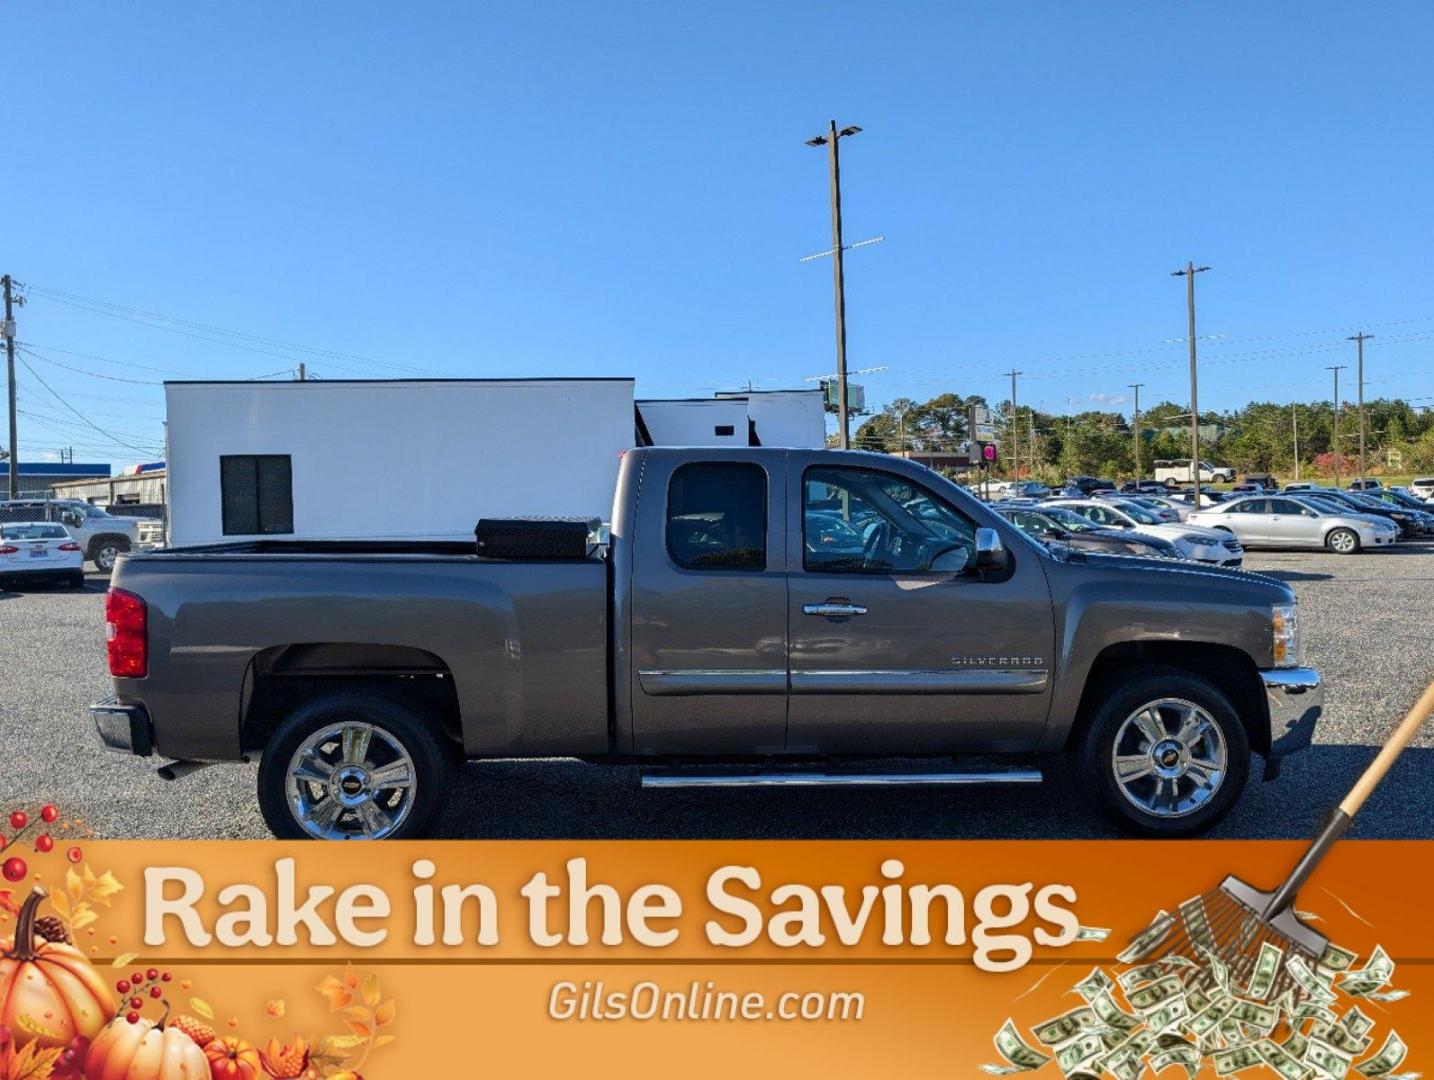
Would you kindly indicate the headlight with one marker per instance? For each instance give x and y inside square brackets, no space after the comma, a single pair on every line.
[1284,623]
[1197,541]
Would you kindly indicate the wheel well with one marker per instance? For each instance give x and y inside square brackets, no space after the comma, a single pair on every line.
[1229,669]
[281,678]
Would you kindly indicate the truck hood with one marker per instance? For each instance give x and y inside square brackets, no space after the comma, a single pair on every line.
[1179,575]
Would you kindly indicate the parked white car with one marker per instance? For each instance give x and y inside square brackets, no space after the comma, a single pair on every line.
[1194,542]
[36,550]
[1422,487]
[1287,521]
[103,537]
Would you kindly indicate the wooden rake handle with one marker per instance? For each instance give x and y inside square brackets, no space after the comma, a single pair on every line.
[1392,749]
[1339,820]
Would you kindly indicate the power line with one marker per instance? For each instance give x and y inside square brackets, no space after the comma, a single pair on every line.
[82,416]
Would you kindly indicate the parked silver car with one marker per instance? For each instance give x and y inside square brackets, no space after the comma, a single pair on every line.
[1289,521]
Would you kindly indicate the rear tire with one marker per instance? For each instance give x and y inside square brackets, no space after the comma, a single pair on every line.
[1342,541]
[1177,784]
[323,770]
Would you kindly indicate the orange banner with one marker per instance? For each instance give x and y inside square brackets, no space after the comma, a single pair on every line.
[453,959]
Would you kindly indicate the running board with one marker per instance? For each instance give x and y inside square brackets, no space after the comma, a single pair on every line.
[816,779]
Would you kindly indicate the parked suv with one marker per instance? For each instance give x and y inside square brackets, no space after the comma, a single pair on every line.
[104,537]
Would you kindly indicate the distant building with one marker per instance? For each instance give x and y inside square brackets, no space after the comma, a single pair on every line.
[38,477]
[140,488]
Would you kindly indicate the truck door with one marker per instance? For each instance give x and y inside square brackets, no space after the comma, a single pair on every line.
[898,646]
[708,645]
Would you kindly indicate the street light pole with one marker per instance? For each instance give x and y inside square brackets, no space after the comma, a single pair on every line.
[1015,431]
[1359,339]
[830,140]
[1136,387]
[1189,275]
[13,468]
[1295,423]
[1336,368]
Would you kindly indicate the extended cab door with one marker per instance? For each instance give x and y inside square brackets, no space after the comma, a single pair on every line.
[898,645]
[707,650]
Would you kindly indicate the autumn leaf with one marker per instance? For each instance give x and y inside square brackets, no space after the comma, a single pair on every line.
[33,1063]
[7,902]
[371,994]
[363,1031]
[74,885]
[337,1043]
[202,1007]
[338,994]
[351,979]
[123,960]
[61,903]
[359,1013]
[383,1015]
[276,1008]
[104,887]
[84,915]
[383,1040]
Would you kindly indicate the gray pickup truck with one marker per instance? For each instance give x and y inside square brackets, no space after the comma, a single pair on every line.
[757,614]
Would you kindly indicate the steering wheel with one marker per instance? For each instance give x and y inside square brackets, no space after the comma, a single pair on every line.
[874,540]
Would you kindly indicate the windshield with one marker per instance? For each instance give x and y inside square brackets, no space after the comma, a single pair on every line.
[1068,519]
[1324,506]
[1140,514]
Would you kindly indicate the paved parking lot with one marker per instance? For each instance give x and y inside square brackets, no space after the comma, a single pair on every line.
[1367,625]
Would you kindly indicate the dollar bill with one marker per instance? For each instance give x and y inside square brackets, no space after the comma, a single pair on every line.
[1282,1061]
[1151,996]
[1149,939]
[1094,985]
[1144,973]
[1020,1056]
[1112,1015]
[1084,1049]
[1208,1019]
[1327,1059]
[1355,1022]
[1336,959]
[1296,1044]
[1308,981]
[1197,923]
[1185,1056]
[1196,998]
[1219,973]
[1340,1037]
[1387,995]
[1092,933]
[1064,1028]
[1267,966]
[1168,1015]
[1375,975]
[1257,1015]
[1391,1055]
[1237,1059]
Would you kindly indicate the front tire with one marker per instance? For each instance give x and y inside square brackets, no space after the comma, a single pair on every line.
[1162,755]
[1342,541]
[106,550]
[353,766]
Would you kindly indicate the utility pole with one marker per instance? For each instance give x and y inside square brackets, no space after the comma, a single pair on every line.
[1295,423]
[1136,387]
[9,328]
[1336,368]
[1015,432]
[1359,339]
[1189,275]
[830,141]
[303,372]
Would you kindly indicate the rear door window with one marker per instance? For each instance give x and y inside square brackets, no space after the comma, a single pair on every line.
[717,516]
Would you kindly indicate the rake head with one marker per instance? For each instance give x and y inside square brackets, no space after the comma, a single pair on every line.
[1231,925]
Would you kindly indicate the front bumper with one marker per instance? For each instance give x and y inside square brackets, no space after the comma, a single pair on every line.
[124,729]
[1295,697]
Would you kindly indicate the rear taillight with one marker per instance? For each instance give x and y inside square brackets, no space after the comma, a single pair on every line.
[128,625]
[70,547]
[9,549]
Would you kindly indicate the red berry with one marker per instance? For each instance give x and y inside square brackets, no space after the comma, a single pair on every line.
[165,977]
[14,869]
[155,992]
[74,854]
[49,813]
[122,986]
[136,1003]
[152,974]
[19,819]
[44,844]
[132,1017]
[137,978]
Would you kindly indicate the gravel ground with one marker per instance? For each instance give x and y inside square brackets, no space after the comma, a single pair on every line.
[1367,627]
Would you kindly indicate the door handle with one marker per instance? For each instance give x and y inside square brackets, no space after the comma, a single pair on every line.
[832,609]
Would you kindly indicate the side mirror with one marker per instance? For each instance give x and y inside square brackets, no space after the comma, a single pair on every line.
[991,555]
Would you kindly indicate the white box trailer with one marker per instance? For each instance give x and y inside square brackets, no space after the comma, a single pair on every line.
[695,421]
[795,418]
[389,459]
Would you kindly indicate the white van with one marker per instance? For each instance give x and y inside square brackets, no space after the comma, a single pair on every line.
[1422,487]
[1178,472]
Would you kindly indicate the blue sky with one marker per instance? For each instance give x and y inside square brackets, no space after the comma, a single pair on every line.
[509,189]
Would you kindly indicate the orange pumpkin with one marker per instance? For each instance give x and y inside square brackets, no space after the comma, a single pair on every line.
[144,1051]
[49,993]
[232,1058]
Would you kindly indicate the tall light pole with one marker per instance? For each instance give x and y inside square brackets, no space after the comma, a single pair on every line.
[1336,368]
[1295,424]
[1189,275]
[830,140]
[1136,387]
[13,468]
[1359,339]
[1015,431]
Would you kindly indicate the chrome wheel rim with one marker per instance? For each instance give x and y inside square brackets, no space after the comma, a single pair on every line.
[1169,758]
[106,556]
[351,781]
[1342,541]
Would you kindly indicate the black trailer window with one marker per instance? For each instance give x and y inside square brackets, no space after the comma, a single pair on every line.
[257,494]
[717,516]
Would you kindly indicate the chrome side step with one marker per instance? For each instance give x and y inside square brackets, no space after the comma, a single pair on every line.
[817,779]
